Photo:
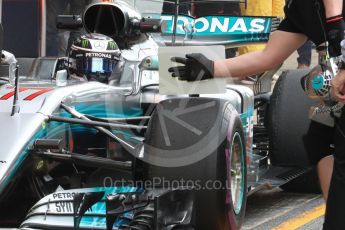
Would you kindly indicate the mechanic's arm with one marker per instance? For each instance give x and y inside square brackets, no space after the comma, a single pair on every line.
[338,81]
[335,33]
[334,25]
[333,7]
[197,67]
[279,47]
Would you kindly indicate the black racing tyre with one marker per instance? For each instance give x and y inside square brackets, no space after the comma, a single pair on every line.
[287,124]
[219,178]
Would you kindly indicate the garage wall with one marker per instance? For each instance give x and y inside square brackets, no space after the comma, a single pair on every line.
[21,23]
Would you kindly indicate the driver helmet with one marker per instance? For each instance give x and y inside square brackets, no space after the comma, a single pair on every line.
[93,57]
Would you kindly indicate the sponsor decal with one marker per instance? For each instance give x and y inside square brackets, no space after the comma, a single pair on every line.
[63,206]
[66,207]
[98,55]
[218,25]
[100,45]
[64,195]
[85,43]
[112,46]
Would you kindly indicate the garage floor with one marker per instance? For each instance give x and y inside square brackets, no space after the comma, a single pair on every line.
[279,210]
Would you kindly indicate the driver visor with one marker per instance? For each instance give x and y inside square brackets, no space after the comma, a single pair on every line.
[96,64]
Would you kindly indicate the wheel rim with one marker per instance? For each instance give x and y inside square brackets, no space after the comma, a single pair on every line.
[236,173]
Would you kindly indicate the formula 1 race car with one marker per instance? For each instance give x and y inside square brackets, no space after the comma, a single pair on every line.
[90,155]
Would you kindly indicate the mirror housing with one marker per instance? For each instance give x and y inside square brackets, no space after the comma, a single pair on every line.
[148,25]
[69,22]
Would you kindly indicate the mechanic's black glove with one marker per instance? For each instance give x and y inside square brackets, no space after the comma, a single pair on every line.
[335,34]
[196,68]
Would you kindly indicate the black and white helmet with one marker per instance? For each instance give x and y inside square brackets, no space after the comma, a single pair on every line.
[94,57]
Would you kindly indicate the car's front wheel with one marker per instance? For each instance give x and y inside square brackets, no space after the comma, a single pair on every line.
[219,177]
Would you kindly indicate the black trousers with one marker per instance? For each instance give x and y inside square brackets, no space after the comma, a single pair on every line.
[335,209]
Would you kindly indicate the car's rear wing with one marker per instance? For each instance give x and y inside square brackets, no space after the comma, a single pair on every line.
[217,30]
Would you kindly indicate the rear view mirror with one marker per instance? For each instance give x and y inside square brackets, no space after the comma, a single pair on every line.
[61,77]
[149,25]
[69,22]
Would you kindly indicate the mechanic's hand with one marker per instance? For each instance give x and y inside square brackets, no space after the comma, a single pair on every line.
[337,90]
[196,68]
[335,34]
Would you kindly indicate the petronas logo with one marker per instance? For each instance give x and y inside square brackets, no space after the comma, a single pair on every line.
[85,43]
[112,46]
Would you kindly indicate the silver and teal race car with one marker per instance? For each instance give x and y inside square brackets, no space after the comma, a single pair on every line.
[88,155]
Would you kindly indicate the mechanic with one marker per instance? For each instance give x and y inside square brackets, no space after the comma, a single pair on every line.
[319,21]
[336,199]
[95,57]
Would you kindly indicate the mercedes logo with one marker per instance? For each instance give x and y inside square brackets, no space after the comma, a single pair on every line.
[99,45]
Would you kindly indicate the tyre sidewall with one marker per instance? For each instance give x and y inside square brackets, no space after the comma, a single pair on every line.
[235,219]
